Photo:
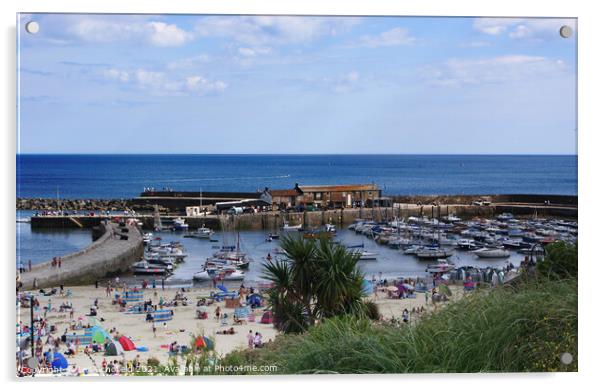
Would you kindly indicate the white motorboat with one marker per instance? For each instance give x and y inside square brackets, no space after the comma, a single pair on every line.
[330,228]
[492,253]
[441,266]
[145,268]
[411,250]
[466,244]
[208,275]
[292,228]
[433,253]
[452,218]
[365,255]
[201,232]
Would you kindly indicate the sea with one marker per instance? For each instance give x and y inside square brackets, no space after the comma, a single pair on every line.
[125,176]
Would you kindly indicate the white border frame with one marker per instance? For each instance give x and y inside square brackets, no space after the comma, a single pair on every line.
[589,95]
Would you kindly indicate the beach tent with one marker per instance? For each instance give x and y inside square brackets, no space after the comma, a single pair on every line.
[267,317]
[408,286]
[127,344]
[114,349]
[59,362]
[254,300]
[99,335]
[367,287]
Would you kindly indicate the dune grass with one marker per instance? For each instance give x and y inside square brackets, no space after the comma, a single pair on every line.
[526,327]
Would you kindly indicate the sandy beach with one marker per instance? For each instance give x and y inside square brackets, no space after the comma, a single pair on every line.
[181,329]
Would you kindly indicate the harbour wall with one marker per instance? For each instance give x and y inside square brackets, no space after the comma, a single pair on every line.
[274,220]
[111,253]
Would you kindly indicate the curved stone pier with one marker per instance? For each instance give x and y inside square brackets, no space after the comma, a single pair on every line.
[108,255]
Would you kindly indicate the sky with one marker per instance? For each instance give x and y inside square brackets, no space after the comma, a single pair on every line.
[295,84]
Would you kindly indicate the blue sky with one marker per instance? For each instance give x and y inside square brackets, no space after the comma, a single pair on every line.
[274,84]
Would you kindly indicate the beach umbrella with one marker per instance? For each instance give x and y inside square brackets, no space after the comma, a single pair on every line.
[199,342]
[59,362]
[392,288]
[127,344]
[208,342]
[444,289]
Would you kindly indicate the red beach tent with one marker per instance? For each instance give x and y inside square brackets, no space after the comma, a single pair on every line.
[127,344]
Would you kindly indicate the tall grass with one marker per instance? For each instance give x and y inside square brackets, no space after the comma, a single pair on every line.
[523,328]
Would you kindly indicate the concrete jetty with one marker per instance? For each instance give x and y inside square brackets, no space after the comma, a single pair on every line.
[113,252]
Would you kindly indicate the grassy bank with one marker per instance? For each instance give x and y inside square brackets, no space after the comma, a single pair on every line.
[522,328]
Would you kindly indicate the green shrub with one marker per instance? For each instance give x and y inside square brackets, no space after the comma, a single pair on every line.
[524,328]
[560,261]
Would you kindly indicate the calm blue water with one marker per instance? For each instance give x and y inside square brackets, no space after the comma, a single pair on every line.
[39,245]
[125,176]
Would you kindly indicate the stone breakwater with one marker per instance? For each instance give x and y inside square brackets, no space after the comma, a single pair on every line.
[109,255]
[49,204]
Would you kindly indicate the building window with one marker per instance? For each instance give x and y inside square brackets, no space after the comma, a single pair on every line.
[318,195]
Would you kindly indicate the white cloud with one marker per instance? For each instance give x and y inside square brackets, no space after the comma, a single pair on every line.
[535,28]
[253,51]
[395,37]
[502,69]
[266,30]
[103,29]
[161,84]
[167,34]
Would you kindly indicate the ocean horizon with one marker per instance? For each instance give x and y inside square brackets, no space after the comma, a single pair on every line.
[106,176]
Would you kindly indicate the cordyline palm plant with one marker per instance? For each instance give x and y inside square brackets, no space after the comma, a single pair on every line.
[316,279]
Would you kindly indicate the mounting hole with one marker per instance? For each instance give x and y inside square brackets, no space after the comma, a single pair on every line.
[566,358]
[32,27]
[566,31]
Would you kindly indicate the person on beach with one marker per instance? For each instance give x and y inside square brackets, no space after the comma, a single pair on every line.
[154,330]
[405,316]
[257,342]
[250,339]
[29,265]
[218,314]
[60,261]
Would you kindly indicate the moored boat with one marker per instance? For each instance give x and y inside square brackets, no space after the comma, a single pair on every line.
[492,253]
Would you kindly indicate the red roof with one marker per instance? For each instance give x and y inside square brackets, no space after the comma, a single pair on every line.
[292,192]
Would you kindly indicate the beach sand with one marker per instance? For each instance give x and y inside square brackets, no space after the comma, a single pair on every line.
[184,325]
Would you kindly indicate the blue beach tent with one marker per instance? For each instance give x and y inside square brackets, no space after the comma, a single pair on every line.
[59,362]
[367,287]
